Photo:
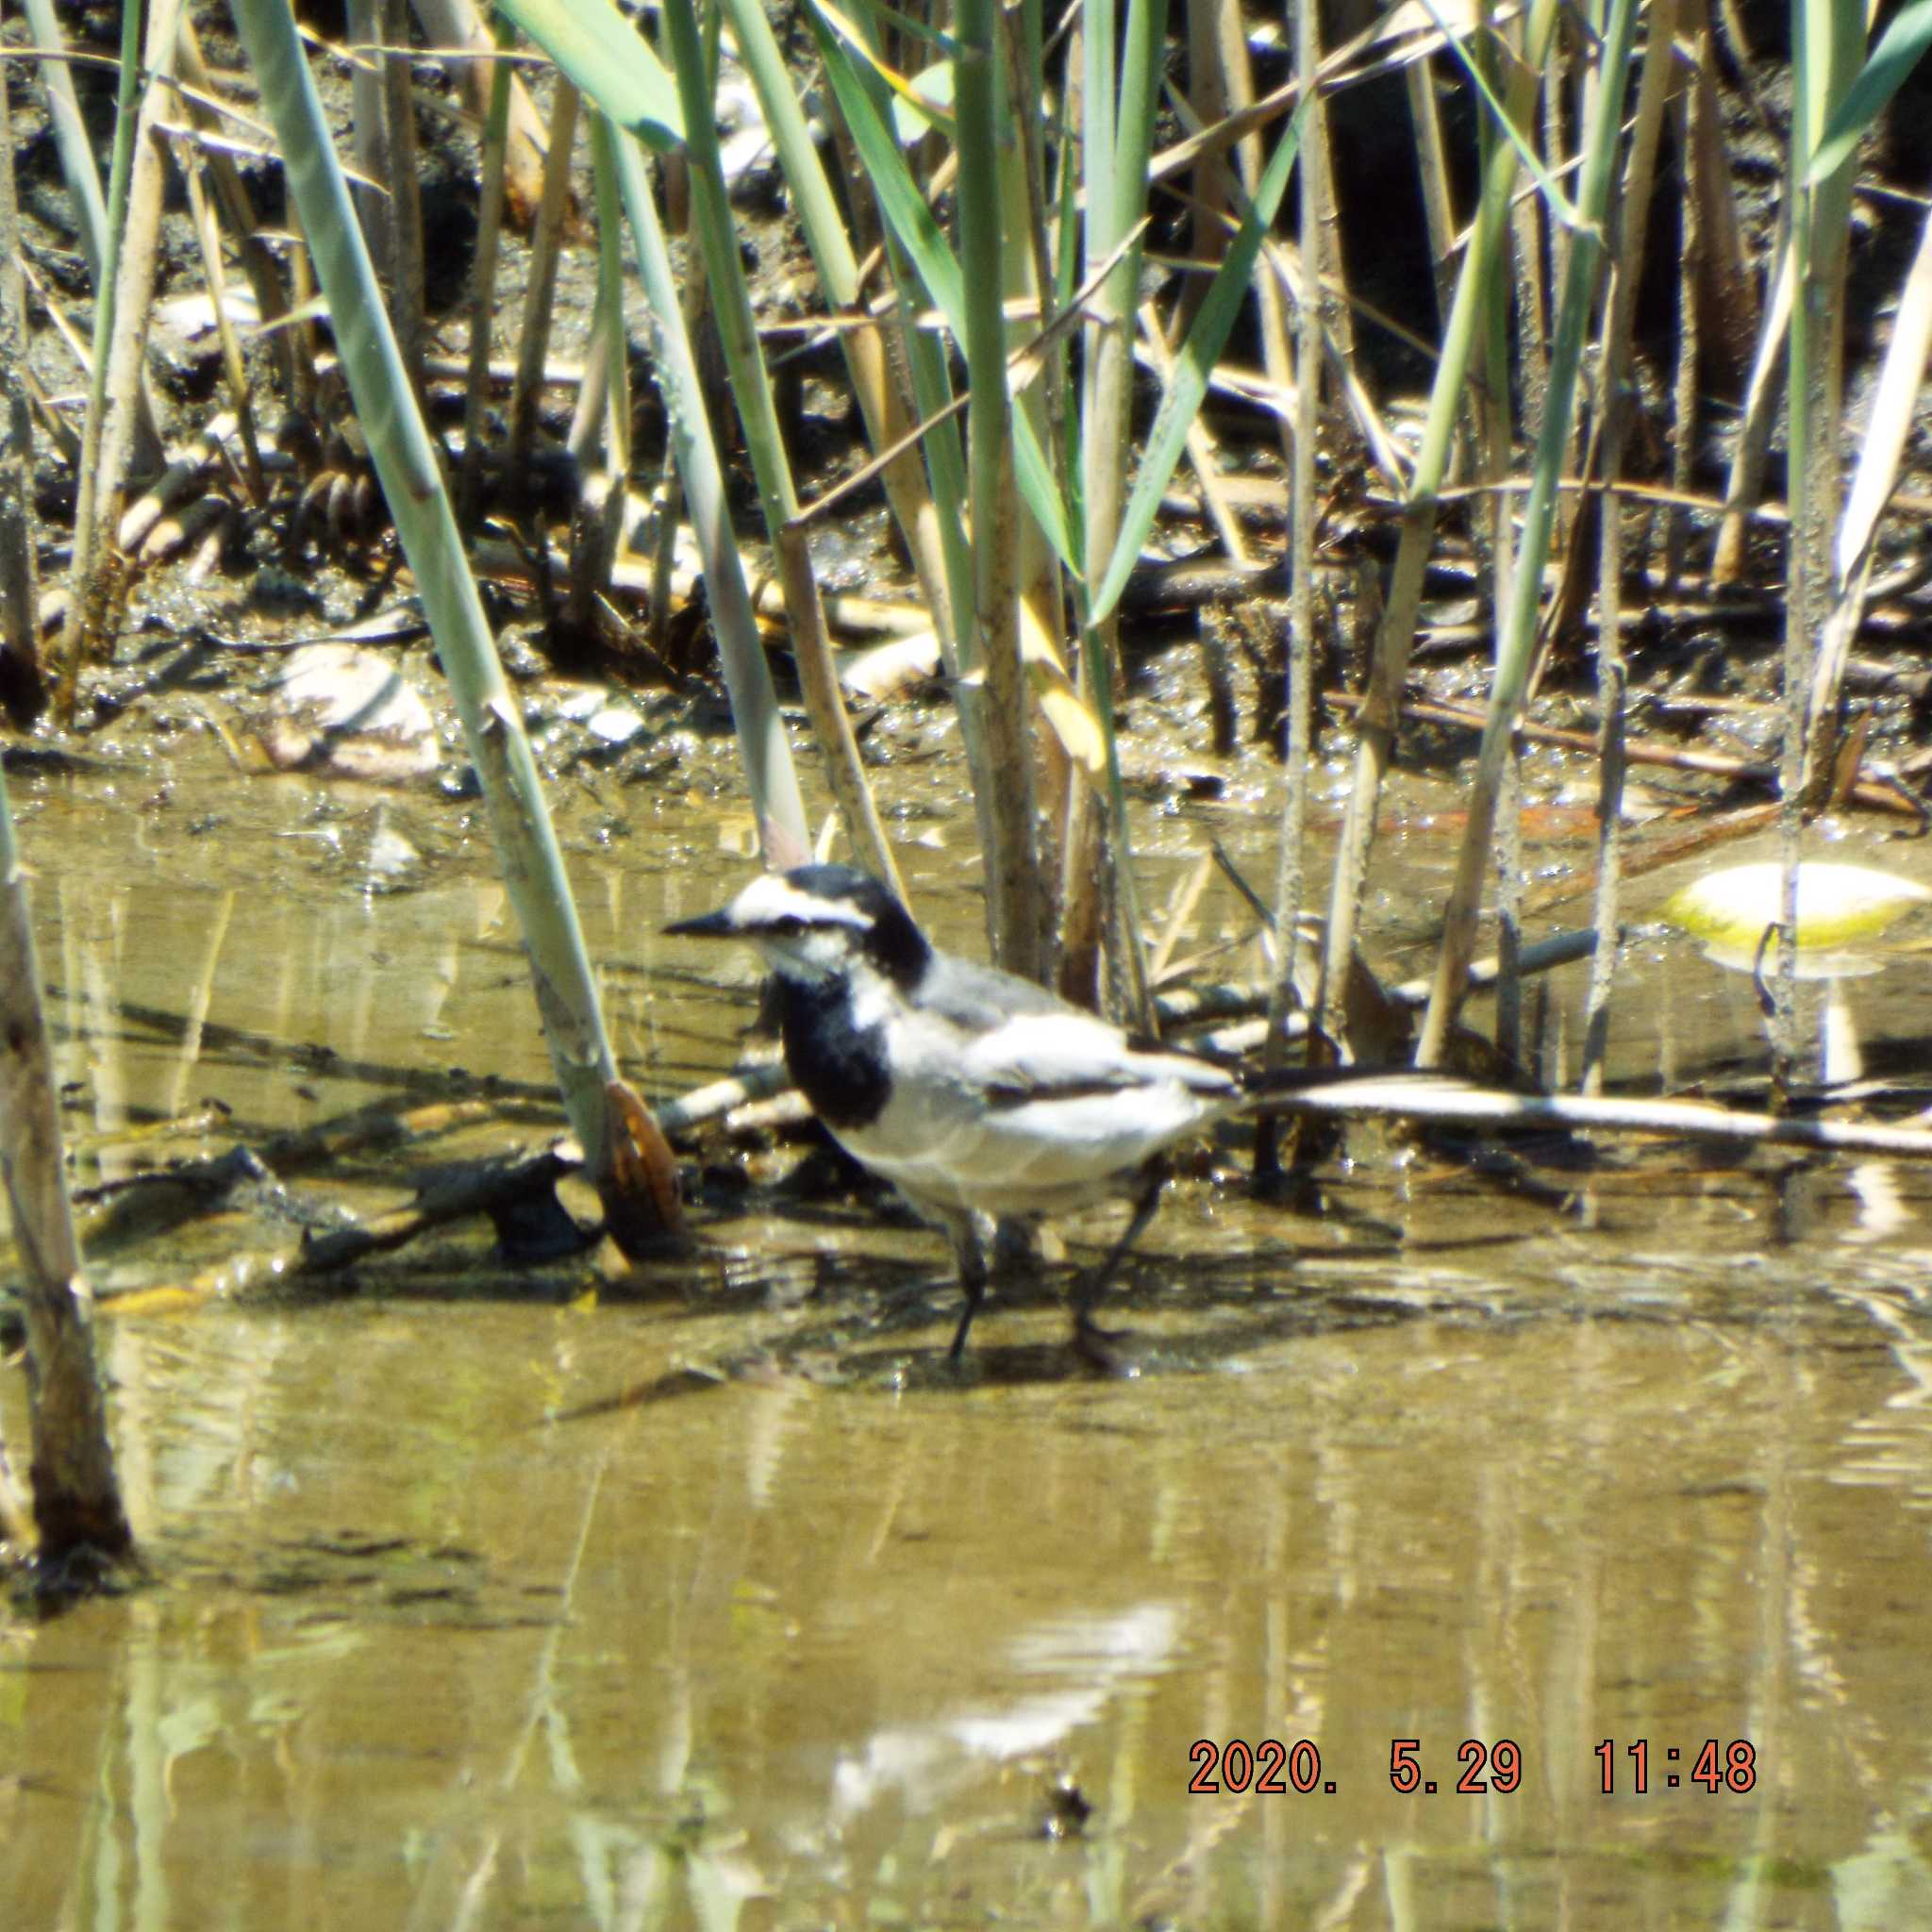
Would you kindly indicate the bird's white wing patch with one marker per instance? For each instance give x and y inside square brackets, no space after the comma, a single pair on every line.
[1036,1114]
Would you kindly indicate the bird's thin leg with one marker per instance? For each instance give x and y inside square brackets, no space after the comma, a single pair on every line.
[971,1260]
[1094,1283]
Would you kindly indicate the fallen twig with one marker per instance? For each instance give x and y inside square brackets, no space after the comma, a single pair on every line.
[507,1189]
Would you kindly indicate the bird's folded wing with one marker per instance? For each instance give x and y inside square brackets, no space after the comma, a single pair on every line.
[982,997]
[1068,1055]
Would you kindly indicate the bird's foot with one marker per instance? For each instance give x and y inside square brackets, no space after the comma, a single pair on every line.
[1105,1350]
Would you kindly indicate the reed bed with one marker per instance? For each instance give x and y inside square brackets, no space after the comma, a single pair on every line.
[1064,261]
[1033,239]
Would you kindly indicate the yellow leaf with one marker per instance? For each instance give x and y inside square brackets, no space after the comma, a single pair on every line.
[1073,719]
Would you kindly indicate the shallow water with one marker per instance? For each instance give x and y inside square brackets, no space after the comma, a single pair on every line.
[786,1655]
[697,1594]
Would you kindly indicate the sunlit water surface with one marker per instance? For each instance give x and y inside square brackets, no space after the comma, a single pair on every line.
[1594,1509]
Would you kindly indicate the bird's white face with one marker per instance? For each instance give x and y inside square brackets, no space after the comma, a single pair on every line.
[802,935]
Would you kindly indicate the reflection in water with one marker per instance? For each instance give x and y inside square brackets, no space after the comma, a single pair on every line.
[416,1658]
[1085,1660]
[446,1633]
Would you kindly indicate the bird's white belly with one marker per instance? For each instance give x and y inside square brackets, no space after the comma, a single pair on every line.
[1039,1157]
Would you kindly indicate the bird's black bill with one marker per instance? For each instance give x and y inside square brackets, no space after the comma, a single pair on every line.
[711,926]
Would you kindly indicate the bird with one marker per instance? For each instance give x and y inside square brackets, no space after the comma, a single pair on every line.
[973,1092]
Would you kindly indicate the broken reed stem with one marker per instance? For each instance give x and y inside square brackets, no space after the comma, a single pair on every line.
[123,306]
[540,291]
[1296,765]
[1633,211]
[491,162]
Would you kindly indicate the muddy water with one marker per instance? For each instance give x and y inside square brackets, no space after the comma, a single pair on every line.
[485,1599]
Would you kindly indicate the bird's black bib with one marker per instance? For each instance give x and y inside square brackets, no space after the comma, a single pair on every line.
[839,1066]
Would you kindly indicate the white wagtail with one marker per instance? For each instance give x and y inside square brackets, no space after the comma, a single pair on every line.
[972,1090]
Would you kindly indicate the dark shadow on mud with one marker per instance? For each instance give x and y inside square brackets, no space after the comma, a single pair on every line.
[1226,1308]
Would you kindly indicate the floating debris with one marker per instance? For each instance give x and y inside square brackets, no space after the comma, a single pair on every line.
[1841,908]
